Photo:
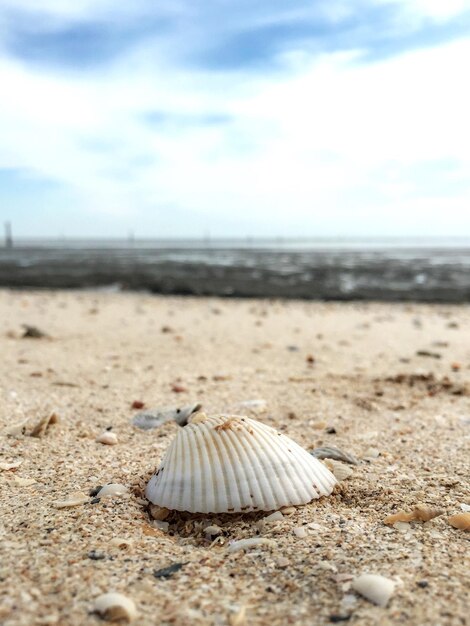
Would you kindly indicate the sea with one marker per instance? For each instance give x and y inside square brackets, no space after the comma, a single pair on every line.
[380,269]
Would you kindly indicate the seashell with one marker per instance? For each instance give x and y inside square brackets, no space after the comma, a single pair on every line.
[113,489]
[107,438]
[146,420]
[244,544]
[340,470]
[460,521]
[226,464]
[375,588]
[330,452]
[114,607]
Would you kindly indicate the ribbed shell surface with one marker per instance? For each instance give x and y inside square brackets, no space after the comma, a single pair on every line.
[232,464]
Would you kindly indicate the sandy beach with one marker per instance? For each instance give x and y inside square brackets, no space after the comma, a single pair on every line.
[387,383]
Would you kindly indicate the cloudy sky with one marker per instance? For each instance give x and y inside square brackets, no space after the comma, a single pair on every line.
[234,117]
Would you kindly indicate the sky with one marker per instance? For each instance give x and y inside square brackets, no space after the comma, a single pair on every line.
[189,118]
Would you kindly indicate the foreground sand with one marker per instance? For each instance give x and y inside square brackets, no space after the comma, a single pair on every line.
[107,350]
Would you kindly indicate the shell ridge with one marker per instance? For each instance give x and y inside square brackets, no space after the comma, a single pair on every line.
[306,476]
[311,473]
[217,477]
[192,463]
[199,439]
[235,463]
[185,490]
[225,463]
[315,468]
[276,465]
[250,486]
[287,468]
[269,497]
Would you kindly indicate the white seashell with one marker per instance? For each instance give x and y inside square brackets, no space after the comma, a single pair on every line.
[114,607]
[107,438]
[375,588]
[232,464]
[244,544]
[113,489]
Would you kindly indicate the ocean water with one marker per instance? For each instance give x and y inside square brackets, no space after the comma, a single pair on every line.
[433,270]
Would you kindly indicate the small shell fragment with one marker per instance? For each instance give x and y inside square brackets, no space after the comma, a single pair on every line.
[301,532]
[5,467]
[74,499]
[461,521]
[153,418]
[115,606]
[39,430]
[420,513]
[113,489]
[120,542]
[107,438]
[330,452]
[23,482]
[340,470]
[245,544]
[375,588]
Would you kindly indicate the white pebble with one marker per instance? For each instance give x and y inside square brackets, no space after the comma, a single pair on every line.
[371,453]
[107,438]
[300,532]
[113,489]
[375,588]
[244,544]
[115,606]
[465,507]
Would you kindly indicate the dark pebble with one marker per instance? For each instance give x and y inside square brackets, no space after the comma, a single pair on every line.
[96,556]
[167,572]
[94,492]
[95,500]
[423,584]
[330,430]
[335,619]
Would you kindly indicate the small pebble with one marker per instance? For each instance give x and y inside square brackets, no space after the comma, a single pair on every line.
[301,532]
[274,517]
[461,521]
[107,438]
[113,489]
[167,572]
[245,544]
[158,512]
[375,588]
[113,607]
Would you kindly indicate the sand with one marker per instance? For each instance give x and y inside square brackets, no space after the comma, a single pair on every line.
[344,375]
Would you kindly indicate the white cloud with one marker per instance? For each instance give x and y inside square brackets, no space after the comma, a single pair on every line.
[330,146]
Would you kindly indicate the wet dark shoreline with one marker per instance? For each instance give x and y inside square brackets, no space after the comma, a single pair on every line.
[404,274]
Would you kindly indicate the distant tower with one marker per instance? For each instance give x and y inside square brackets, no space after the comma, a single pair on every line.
[8,236]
